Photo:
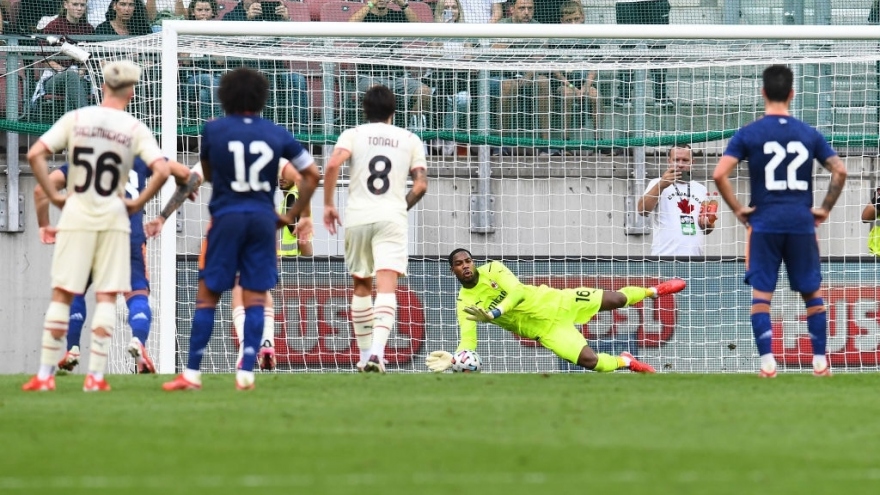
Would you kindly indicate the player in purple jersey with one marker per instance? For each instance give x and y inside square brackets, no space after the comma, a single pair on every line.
[140,316]
[781,220]
[240,157]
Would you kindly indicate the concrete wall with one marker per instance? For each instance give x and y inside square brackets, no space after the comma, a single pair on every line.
[542,208]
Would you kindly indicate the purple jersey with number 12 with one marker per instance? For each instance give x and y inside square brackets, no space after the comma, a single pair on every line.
[243,153]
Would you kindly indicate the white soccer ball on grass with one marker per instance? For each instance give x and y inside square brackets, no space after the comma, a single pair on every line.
[466,362]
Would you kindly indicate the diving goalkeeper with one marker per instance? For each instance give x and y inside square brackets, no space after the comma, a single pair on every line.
[492,294]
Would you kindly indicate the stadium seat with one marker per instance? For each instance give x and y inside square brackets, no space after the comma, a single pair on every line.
[339,11]
[298,11]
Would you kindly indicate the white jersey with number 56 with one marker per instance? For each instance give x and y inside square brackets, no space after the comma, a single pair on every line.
[101,146]
[382,156]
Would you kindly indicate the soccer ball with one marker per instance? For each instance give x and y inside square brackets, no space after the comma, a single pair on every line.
[466,362]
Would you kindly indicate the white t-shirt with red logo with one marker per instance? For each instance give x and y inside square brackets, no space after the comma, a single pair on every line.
[674,219]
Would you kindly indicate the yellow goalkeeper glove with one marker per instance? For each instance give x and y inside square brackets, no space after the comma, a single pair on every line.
[481,315]
[439,361]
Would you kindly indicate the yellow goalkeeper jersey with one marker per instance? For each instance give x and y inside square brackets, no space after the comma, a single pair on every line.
[527,310]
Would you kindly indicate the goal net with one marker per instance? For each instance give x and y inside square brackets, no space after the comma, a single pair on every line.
[541,143]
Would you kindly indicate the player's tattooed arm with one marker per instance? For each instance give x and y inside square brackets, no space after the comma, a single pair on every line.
[838,179]
[419,187]
[183,192]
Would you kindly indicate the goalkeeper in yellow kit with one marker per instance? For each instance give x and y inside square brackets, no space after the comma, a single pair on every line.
[492,294]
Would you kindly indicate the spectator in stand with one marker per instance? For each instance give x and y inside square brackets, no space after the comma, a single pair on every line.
[451,86]
[31,11]
[577,86]
[394,78]
[203,76]
[482,11]
[69,76]
[289,92]
[676,204]
[642,12]
[125,18]
[98,9]
[510,86]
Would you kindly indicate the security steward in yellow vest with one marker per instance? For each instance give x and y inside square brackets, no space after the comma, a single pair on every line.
[291,244]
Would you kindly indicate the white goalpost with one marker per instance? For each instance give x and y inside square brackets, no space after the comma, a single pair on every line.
[546,184]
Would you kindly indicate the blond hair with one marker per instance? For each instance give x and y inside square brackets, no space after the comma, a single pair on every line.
[440,6]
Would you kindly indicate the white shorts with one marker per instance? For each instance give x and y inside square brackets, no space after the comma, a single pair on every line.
[376,246]
[105,255]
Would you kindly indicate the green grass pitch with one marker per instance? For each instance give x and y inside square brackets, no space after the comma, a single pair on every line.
[446,434]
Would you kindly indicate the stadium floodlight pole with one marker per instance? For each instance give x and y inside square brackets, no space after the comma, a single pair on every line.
[595,31]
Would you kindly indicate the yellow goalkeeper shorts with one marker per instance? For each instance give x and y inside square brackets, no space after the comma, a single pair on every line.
[564,337]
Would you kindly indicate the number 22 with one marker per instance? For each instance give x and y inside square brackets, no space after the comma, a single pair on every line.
[779,154]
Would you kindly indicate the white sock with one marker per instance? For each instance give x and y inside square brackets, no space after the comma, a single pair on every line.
[384,315]
[768,362]
[243,376]
[238,322]
[362,324]
[268,328]
[50,353]
[238,327]
[820,362]
[192,376]
[99,349]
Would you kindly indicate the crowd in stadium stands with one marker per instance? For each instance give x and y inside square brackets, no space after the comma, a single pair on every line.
[430,99]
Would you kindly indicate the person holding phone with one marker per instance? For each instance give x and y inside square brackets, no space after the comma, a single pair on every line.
[263,10]
[677,207]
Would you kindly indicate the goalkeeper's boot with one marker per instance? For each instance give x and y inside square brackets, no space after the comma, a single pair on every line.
[139,353]
[37,385]
[266,358]
[94,385]
[670,286]
[181,383]
[635,365]
[374,365]
[70,359]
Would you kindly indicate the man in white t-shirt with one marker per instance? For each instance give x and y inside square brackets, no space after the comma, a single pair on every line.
[676,206]
[382,157]
[93,230]
[482,11]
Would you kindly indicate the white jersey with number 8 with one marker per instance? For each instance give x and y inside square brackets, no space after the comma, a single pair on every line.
[101,146]
[382,157]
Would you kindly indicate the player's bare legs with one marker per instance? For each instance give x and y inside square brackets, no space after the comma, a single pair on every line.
[266,358]
[140,316]
[103,323]
[54,341]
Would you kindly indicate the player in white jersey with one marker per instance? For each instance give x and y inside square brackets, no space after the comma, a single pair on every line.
[382,158]
[93,230]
